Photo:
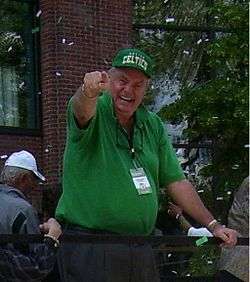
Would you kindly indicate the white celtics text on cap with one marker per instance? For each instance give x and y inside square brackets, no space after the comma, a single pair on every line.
[134,58]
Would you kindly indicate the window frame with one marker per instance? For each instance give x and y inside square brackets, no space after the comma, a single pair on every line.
[32,76]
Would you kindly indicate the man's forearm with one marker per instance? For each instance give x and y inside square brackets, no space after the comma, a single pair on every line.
[184,194]
[84,107]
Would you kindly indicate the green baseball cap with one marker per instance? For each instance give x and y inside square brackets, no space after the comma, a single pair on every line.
[135,59]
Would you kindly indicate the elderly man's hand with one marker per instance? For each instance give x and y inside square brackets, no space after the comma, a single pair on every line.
[229,236]
[51,227]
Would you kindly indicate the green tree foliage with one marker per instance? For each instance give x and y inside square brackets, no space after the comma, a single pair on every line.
[217,109]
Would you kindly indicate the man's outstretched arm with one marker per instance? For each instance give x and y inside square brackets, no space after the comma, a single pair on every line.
[184,195]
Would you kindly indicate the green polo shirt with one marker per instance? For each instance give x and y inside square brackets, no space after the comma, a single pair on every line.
[98,190]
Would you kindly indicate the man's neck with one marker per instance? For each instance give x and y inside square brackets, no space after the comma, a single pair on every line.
[127,124]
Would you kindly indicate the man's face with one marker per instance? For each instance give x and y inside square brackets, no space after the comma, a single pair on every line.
[128,87]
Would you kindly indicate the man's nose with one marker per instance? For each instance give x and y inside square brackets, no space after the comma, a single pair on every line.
[128,88]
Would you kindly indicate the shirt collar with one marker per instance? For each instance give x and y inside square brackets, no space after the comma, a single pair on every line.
[9,189]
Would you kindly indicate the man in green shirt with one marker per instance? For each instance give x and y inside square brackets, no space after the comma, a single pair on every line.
[117,156]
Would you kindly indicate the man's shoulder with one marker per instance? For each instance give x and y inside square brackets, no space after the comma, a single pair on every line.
[13,196]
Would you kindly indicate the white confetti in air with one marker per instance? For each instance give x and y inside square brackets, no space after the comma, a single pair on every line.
[152,87]
[165,1]
[215,117]
[59,19]
[219,198]
[63,40]
[228,78]
[188,274]
[229,192]
[235,166]
[71,43]
[46,150]
[38,14]
[175,272]
[216,17]
[3,157]
[58,73]
[17,37]
[199,41]
[247,146]
[170,20]
[186,52]
[180,39]
[207,39]
[200,191]
[21,84]
[209,262]
[10,48]
[169,255]
[39,93]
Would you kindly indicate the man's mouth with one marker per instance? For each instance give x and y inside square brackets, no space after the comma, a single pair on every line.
[127,99]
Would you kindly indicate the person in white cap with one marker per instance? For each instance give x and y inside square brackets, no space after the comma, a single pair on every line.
[17,216]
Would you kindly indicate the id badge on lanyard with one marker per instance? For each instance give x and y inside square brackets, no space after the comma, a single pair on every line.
[140,180]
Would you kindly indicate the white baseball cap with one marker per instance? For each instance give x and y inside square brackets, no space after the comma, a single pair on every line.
[24,160]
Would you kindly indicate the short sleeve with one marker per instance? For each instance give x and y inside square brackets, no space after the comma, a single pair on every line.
[74,133]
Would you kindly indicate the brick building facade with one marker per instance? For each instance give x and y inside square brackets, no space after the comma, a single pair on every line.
[76,36]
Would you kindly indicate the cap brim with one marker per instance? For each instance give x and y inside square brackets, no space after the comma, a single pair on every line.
[39,175]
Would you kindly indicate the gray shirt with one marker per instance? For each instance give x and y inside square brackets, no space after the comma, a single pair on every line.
[236,260]
[17,216]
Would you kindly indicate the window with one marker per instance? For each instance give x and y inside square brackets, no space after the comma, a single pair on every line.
[18,76]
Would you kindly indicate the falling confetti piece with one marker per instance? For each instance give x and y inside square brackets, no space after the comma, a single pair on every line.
[46,150]
[247,146]
[201,241]
[207,39]
[63,40]
[200,191]
[170,20]
[10,48]
[235,166]
[175,272]
[165,1]
[216,17]
[180,39]
[199,41]
[17,37]
[209,262]
[3,156]
[38,14]
[35,30]
[169,255]
[58,73]
[188,274]
[215,117]
[21,84]
[228,78]
[219,198]
[186,52]
[71,43]
[229,192]
[59,19]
